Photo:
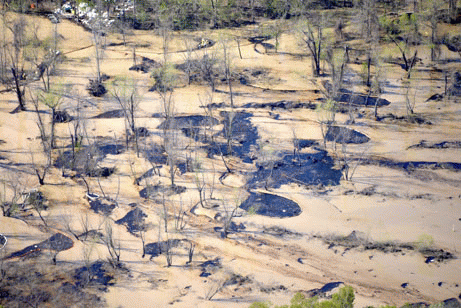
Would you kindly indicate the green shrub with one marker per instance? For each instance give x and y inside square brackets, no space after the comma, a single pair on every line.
[343,299]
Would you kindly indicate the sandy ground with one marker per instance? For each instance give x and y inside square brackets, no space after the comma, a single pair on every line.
[406,207]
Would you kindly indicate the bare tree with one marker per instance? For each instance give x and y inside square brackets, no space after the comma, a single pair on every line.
[368,18]
[126,94]
[312,36]
[46,142]
[433,14]
[406,36]
[12,188]
[52,99]
[165,81]
[18,30]
[230,214]
[276,30]
[227,64]
[208,69]
[113,246]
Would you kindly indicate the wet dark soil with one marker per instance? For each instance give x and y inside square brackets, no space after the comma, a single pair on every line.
[93,235]
[282,105]
[233,227]
[96,88]
[412,165]
[61,116]
[243,135]
[346,135]
[110,149]
[3,241]
[111,114]
[58,242]
[259,39]
[414,119]
[157,191]
[134,221]
[140,132]
[441,145]
[453,43]
[436,255]
[324,289]
[155,154]
[280,232]
[271,205]
[85,160]
[355,99]
[36,283]
[149,173]
[158,248]
[304,143]
[435,97]
[238,280]
[103,206]
[97,274]
[273,289]
[305,169]
[188,122]
[145,66]
[358,240]
[101,172]
[209,267]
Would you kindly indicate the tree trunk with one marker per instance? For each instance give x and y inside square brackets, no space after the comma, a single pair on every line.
[19,92]
[52,141]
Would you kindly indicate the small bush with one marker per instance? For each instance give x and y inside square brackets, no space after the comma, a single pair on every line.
[343,299]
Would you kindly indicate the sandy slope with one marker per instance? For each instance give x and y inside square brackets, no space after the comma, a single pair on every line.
[395,212]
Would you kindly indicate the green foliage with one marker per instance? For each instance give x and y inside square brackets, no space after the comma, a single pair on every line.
[326,111]
[275,8]
[261,305]
[388,25]
[343,299]
[165,78]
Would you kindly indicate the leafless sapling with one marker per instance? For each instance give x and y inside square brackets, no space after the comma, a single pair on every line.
[312,36]
[126,94]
